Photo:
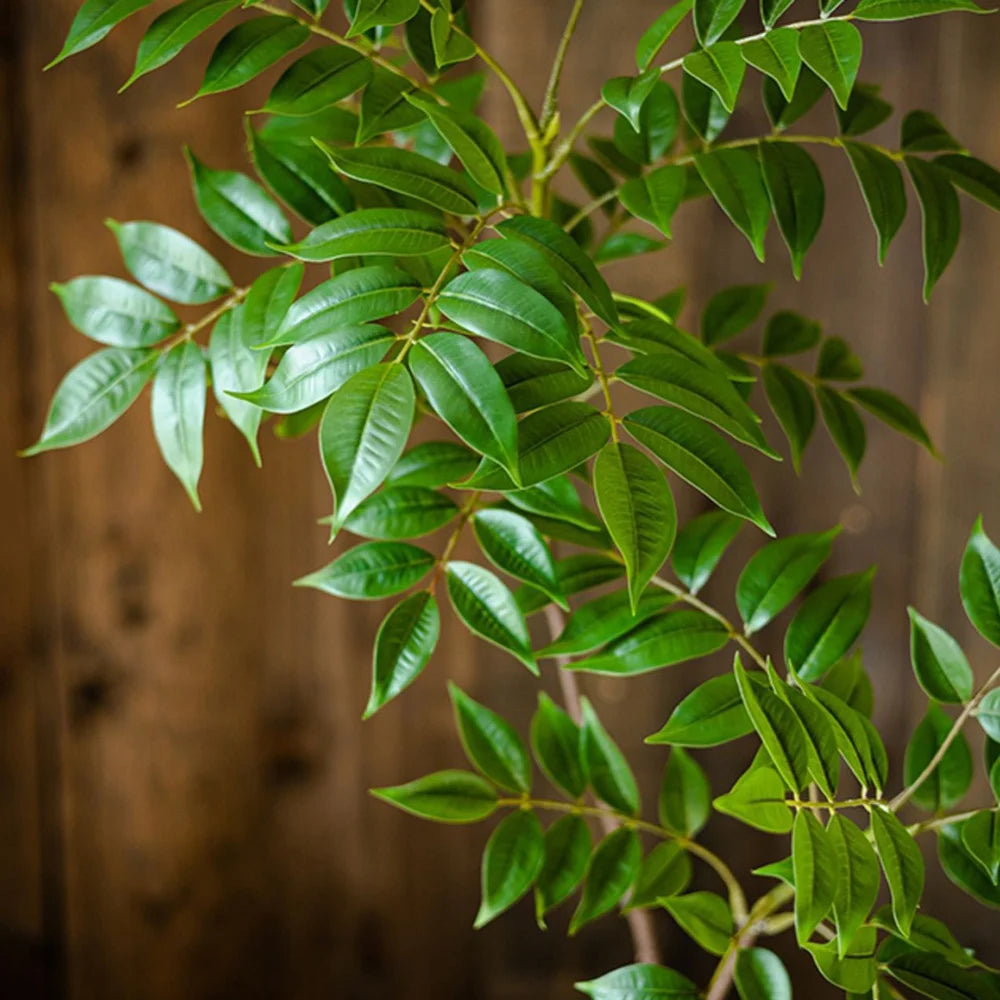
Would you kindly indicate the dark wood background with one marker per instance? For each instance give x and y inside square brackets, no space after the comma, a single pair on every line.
[183,770]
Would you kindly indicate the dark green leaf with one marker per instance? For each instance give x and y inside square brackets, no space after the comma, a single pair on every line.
[567,851]
[655,36]
[512,861]
[795,188]
[777,56]
[532,383]
[893,411]
[703,110]
[902,863]
[370,14]
[390,232]
[516,547]
[973,176]
[809,88]
[790,333]
[318,80]
[657,129]
[899,10]
[556,742]
[733,177]
[607,769]
[710,715]
[491,744]
[721,68]
[856,971]
[712,17]
[865,110]
[922,132]
[700,545]
[685,795]
[882,187]
[654,197]
[950,779]
[401,512]
[833,52]
[432,464]
[612,870]
[626,94]
[934,976]
[731,311]
[384,106]
[979,583]
[665,871]
[942,220]
[815,864]
[845,427]
[791,400]
[858,878]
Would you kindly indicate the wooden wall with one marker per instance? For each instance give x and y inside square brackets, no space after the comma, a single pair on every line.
[183,770]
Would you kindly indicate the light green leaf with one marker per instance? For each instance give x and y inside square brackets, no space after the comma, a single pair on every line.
[115,312]
[169,263]
[612,870]
[721,68]
[942,219]
[938,661]
[489,610]
[640,982]
[950,780]
[899,10]
[371,571]
[858,879]
[711,714]
[833,52]
[776,55]
[445,796]
[815,864]
[705,917]
[627,94]
[567,851]
[731,311]
[403,645]
[758,799]
[93,21]
[432,464]
[370,14]
[608,771]
[666,871]
[685,795]
[491,744]
[712,17]
[882,187]
[700,545]
[655,196]
[761,975]
[934,976]
[856,971]
[988,714]
[93,395]
[318,80]
[902,863]
[798,197]
[369,232]
[556,743]
[658,121]
[734,179]
[401,513]
[963,869]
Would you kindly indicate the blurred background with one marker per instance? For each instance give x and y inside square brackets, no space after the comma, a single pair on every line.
[183,769]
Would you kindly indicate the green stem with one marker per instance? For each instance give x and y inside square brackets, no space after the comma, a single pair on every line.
[550,103]
[190,329]
[938,821]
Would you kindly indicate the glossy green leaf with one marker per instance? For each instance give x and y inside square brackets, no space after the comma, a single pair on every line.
[865,110]
[658,121]
[899,10]
[665,871]
[938,661]
[612,870]
[685,795]
[370,14]
[981,839]
[371,571]
[827,624]
[934,976]
[640,982]
[950,779]
[556,743]
[357,296]
[93,21]
[771,10]
[761,975]
[317,80]
[734,179]
[688,447]
[608,771]
[820,735]
[795,189]
[655,196]
[468,394]
[115,312]
[777,574]
[758,799]
[489,610]
[720,67]
[851,734]
[169,263]
[979,583]
[893,411]
[656,35]
[731,311]
[491,744]
[815,864]
[856,971]
[703,109]
[369,232]
[512,861]
[93,395]
[398,513]
[432,464]
[973,176]
[384,106]
[712,17]
[963,869]
[567,851]
[845,427]
[833,52]
[926,933]
[777,56]
[403,645]
[902,863]
[711,714]
[790,398]
[178,411]
[700,545]
[881,184]
[705,917]
[249,49]
[942,220]
[857,879]
[445,796]
[988,714]
[532,383]
[627,94]
[516,547]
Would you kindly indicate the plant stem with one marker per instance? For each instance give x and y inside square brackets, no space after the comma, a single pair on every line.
[190,329]
[550,103]
[938,821]
[907,793]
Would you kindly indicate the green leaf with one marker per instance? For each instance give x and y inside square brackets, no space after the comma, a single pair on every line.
[515,546]
[432,464]
[827,624]
[761,975]
[703,109]
[688,447]
[551,441]
[371,571]
[655,196]
[567,851]
[922,132]
[488,608]
[493,304]
[865,759]
[973,176]
[466,391]
[370,14]
[988,714]
[950,780]
[612,870]
[685,795]
[390,232]
[364,429]
[856,971]
[607,769]
[833,52]
[640,982]
[249,49]
[115,312]
[791,400]
[238,209]
[731,311]
[720,67]
[899,10]
[655,36]
[401,513]
[963,869]
[556,742]
[705,917]
[927,934]
[981,839]
[771,10]
[637,506]
[795,188]
[777,574]
[858,879]
[815,864]
[939,664]
[318,80]
[882,187]
[779,729]
[93,21]
[845,427]
[532,383]
[93,395]
[169,263]
[403,645]
[178,410]
[809,88]
[710,715]
[662,642]
[450,45]
[902,863]
[776,55]
[666,871]
[445,796]
[837,362]
[712,17]
[700,545]
[789,333]
[627,94]
[865,110]
[758,799]
[569,261]
[733,177]
[820,735]
[357,296]
[472,141]
[491,744]
[942,220]
[384,107]
[893,411]
[657,129]
[979,583]
[934,976]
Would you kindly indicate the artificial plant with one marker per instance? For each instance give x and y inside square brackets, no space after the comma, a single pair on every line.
[451,284]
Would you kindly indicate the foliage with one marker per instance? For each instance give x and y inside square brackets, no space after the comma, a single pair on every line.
[453,290]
